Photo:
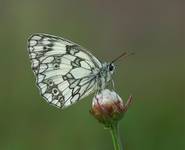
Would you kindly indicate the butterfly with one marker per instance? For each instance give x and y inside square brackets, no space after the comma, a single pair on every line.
[65,71]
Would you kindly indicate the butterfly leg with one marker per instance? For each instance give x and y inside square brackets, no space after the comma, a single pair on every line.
[113,84]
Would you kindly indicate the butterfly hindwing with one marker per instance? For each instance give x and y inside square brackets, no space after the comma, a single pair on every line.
[63,69]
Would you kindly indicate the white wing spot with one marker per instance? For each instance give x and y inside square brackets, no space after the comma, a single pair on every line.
[47,60]
[40,78]
[32,55]
[38,48]
[85,65]
[79,73]
[63,85]
[31,49]
[75,98]
[36,37]
[35,63]
[48,96]
[55,101]
[46,42]
[33,42]
[58,104]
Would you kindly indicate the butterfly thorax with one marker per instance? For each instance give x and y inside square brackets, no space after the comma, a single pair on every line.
[103,76]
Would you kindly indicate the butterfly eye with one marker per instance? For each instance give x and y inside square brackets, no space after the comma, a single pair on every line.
[111,67]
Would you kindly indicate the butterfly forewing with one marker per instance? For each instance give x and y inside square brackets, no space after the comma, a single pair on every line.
[63,69]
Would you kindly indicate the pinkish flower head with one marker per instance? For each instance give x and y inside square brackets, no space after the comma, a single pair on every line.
[108,107]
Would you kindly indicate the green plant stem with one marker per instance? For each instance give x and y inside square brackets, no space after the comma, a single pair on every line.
[115,136]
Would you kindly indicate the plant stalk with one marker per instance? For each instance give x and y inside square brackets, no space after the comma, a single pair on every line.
[114,130]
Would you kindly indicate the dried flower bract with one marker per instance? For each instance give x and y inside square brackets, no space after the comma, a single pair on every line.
[108,107]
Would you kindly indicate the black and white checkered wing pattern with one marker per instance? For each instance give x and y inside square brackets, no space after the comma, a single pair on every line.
[63,69]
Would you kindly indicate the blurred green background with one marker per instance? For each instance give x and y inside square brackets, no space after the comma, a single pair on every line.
[154,75]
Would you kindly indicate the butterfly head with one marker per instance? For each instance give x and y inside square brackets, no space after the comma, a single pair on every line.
[111,68]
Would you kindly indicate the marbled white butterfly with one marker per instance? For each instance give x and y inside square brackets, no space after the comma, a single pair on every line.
[66,72]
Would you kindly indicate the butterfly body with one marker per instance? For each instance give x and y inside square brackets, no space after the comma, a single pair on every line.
[104,75]
[66,72]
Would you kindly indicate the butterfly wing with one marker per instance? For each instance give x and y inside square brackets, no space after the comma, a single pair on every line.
[63,69]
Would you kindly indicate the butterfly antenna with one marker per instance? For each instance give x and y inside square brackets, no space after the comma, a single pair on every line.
[124,54]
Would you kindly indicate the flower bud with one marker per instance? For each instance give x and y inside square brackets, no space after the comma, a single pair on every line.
[108,107]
